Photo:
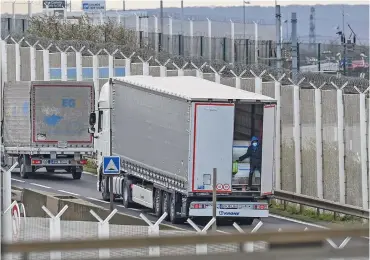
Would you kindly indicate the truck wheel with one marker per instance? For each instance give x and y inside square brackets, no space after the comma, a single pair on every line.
[158,203]
[104,189]
[22,170]
[246,221]
[166,204]
[173,205]
[76,173]
[127,194]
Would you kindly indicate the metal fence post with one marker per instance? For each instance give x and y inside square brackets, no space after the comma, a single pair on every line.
[153,230]
[232,49]
[199,72]
[55,230]
[103,231]
[238,78]
[127,63]
[79,75]
[170,36]
[63,64]
[202,248]
[32,60]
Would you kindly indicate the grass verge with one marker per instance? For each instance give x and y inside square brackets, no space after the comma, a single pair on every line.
[311,215]
[90,167]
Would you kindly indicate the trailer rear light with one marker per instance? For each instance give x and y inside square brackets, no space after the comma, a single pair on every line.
[36,161]
[198,206]
[83,162]
[261,206]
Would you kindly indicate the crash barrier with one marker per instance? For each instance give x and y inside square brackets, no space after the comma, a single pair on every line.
[321,127]
[291,239]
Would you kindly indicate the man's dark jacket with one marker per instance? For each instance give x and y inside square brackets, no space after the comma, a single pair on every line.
[254,153]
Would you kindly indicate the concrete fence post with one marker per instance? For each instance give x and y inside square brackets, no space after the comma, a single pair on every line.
[232,49]
[32,60]
[63,64]
[191,35]
[46,61]
[17,58]
[217,73]
[153,230]
[238,78]
[79,74]
[103,231]
[363,153]
[297,135]
[201,249]
[341,151]
[180,71]
[258,81]
[127,63]
[199,71]
[55,230]
[209,23]
[278,131]
[162,67]
[145,65]
[4,62]
[319,141]
[170,35]
[156,34]
[95,61]
[248,247]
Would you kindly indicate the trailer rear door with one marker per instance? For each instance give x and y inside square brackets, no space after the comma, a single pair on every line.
[268,149]
[60,113]
[212,132]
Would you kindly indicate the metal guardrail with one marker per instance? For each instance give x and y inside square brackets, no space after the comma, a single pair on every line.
[295,238]
[321,204]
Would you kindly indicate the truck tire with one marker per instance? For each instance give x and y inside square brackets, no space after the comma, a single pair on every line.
[105,189]
[173,205]
[76,173]
[166,204]
[127,196]
[22,169]
[158,203]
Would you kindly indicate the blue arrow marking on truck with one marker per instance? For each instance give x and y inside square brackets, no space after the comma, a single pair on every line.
[52,120]
[25,108]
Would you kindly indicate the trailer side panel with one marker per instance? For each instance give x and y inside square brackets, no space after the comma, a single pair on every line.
[151,128]
[16,123]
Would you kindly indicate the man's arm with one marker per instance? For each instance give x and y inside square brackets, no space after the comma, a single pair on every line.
[246,155]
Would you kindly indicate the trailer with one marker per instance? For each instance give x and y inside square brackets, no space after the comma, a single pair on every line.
[44,125]
[171,132]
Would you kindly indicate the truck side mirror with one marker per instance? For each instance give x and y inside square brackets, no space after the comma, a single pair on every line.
[92,118]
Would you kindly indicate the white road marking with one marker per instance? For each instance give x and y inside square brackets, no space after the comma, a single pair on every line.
[121,206]
[297,221]
[69,192]
[134,209]
[97,200]
[39,185]
[18,180]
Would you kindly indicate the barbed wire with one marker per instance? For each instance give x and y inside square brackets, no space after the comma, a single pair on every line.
[220,66]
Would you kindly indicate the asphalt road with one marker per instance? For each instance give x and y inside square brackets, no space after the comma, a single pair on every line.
[85,188]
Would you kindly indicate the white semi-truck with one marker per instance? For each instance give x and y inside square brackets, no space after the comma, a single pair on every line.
[171,132]
[44,125]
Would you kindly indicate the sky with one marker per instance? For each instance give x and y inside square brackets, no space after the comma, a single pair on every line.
[21,5]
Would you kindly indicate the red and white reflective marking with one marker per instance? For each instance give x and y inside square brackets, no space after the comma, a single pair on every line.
[226,186]
[219,186]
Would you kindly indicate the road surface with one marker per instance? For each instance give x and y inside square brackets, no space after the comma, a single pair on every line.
[85,188]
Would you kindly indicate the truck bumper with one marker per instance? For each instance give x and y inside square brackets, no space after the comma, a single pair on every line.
[229,209]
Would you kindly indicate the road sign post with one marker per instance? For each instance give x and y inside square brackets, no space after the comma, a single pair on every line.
[111,167]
